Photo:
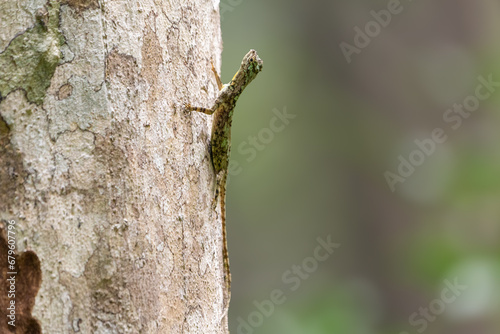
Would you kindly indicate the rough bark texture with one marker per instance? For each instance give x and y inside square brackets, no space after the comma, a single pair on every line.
[109,182]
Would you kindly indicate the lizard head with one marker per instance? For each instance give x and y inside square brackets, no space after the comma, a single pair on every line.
[251,65]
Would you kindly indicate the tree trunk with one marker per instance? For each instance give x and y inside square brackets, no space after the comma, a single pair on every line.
[104,179]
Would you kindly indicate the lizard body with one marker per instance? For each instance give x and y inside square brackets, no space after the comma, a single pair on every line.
[220,142]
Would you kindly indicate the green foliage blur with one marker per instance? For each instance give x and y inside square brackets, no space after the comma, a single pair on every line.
[313,139]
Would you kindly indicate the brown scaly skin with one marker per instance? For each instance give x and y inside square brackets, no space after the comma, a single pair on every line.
[222,110]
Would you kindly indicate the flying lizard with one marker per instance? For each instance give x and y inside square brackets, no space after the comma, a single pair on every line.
[220,143]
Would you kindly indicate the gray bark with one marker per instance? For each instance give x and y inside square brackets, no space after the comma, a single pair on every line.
[109,182]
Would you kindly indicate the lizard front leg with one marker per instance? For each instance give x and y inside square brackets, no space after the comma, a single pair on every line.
[208,111]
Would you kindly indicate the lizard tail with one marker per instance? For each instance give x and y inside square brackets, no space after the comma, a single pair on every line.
[225,254]
[220,192]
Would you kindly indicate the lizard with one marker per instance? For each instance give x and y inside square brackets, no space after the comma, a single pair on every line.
[220,142]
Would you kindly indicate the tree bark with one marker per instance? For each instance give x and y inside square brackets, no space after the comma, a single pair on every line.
[109,183]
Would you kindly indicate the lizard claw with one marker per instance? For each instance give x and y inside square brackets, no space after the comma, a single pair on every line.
[186,109]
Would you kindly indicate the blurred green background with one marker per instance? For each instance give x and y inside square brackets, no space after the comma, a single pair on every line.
[320,172]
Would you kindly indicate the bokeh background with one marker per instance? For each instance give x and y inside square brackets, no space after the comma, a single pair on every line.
[322,174]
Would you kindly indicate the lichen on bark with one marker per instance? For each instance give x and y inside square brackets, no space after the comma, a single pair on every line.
[31,58]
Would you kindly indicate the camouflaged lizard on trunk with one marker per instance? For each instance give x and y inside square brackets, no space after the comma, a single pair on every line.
[222,110]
